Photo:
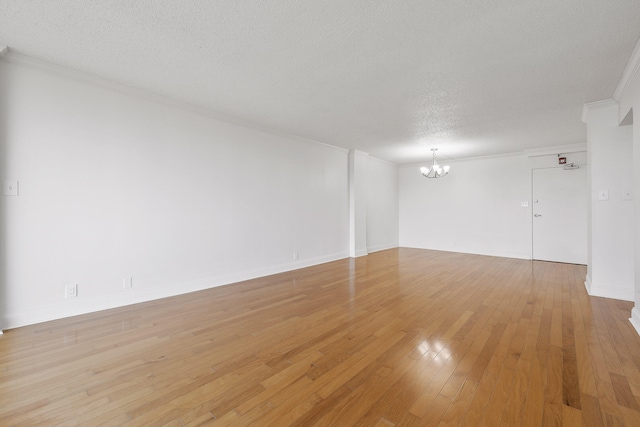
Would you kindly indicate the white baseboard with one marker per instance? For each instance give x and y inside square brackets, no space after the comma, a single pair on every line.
[587,284]
[500,254]
[359,253]
[612,292]
[635,319]
[89,305]
[378,248]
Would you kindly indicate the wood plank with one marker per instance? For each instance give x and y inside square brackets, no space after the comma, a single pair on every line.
[459,404]
[402,337]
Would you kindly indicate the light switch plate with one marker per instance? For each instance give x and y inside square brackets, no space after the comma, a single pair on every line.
[603,194]
[10,188]
[524,204]
[626,195]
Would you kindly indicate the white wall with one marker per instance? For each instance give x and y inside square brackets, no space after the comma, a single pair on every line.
[610,269]
[382,205]
[628,96]
[114,185]
[357,203]
[476,208]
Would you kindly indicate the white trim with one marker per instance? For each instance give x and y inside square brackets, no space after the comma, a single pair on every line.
[451,160]
[535,152]
[629,72]
[635,319]
[587,284]
[607,291]
[34,63]
[359,253]
[387,162]
[499,254]
[79,305]
[384,247]
[558,149]
[586,108]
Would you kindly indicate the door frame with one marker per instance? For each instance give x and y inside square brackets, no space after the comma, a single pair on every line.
[532,213]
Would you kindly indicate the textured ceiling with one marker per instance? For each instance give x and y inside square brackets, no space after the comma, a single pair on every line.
[392,78]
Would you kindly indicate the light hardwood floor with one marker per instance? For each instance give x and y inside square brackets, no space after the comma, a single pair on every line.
[402,337]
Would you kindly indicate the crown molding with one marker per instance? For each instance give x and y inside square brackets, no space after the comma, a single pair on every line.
[451,160]
[586,108]
[558,149]
[379,160]
[7,55]
[629,73]
[534,152]
[359,152]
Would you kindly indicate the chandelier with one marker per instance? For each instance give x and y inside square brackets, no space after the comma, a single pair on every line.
[435,171]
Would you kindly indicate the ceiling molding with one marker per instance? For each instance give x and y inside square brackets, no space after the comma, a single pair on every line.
[586,108]
[6,55]
[558,149]
[629,73]
[464,159]
[379,160]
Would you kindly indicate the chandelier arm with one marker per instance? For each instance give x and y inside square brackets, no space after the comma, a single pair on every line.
[435,171]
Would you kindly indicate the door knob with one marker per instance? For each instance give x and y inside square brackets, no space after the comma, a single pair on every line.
[537,215]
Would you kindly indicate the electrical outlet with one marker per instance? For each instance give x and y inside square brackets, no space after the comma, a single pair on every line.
[295,255]
[71,291]
[127,282]
[10,188]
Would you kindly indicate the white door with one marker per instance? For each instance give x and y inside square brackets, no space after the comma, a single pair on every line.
[560,200]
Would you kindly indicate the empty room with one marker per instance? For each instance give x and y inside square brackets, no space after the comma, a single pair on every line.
[320,213]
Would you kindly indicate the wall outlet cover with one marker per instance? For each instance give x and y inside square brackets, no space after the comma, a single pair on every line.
[10,188]
[71,291]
